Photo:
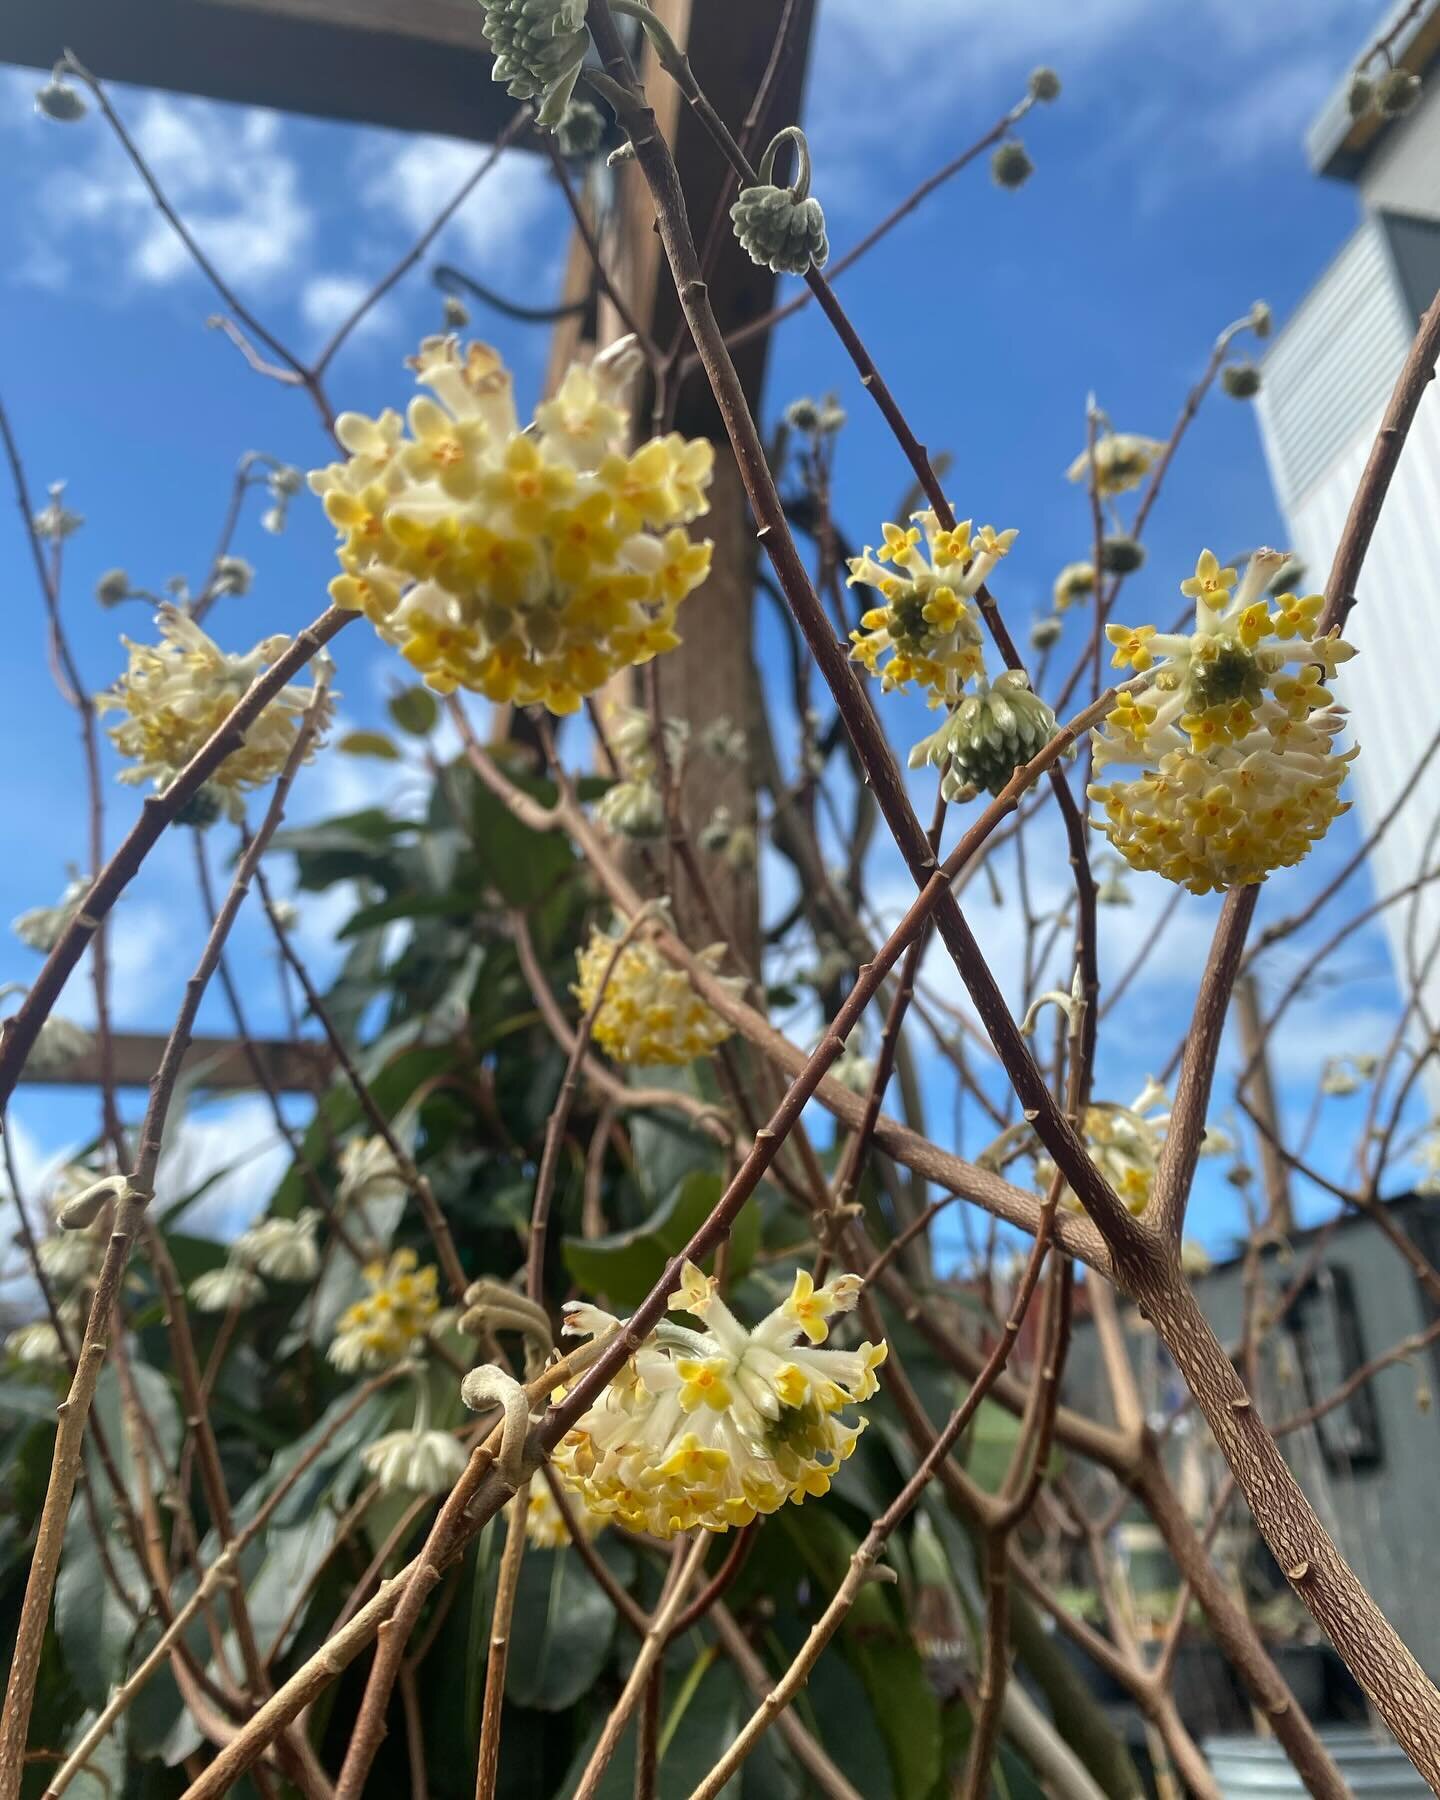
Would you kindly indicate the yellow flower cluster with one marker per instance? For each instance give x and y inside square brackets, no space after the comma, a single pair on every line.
[528,566]
[928,625]
[713,1427]
[1234,732]
[1125,1144]
[393,1317]
[177,693]
[1122,461]
[545,1527]
[649,1012]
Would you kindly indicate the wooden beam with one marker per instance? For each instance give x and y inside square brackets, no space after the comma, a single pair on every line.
[219,1064]
[416,65]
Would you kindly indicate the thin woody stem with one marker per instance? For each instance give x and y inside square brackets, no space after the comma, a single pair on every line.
[507,1586]
[74,1409]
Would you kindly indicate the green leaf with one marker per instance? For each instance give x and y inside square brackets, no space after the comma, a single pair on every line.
[563,1628]
[415,710]
[880,1650]
[92,1623]
[32,1402]
[368,743]
[626,1265]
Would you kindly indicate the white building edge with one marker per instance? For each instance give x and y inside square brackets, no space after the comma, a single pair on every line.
[1326,380]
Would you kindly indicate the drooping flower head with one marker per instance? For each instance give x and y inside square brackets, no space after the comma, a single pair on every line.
[1122,461]
[1233,732]
[712,1427]
[282,1249]
[927,624]
[416,1460]
[528,566]
[393,1317]
[177,693]
[545,1526]
[649,1012]
[1125,1144]
[634,806]
[539,47]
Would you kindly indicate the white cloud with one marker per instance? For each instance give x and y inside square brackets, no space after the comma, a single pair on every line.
[227,174]
[327,301]
[498,223]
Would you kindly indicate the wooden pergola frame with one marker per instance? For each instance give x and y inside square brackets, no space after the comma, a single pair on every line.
[421,65]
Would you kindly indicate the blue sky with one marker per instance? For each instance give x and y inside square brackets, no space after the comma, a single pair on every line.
[1171,191]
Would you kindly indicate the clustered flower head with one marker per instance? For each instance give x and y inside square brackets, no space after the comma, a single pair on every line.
[528,566]
[649,1012]
[368,1172]
[1125,1144]
[782,228]
[282,1249]
[987,736]
[545,1526]
[927,624]
[177,693]
[395,1315]
[715,1426]
[1233,731]
[1122,461]
[633,806]
[416,1460]
[539,47]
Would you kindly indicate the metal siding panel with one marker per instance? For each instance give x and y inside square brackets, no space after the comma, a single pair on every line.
[1332,363]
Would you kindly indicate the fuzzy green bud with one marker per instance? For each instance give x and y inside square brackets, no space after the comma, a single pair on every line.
[580,130]
[59,101]
[987,737]
[202,809]
[1397,93]
[779,231]
[1360,95]
[1121,555]
[112,587]
[1045,633]
[1241,381]
[1010,166]
[1044,84]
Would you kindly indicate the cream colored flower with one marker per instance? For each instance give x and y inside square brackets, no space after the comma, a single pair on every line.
[368,1172]
[392,1319]
[715,1426]
[283,1249]
[1233,734]
[545,1527]
[1122,461]
[415,1461]
[231,1285]
[649,1013]
[528,566]
[177,693]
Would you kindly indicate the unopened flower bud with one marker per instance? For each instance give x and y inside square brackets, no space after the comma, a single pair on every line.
[84,1208]
[782,228]
[1074,582]
[1044,84]
[1261,319]
[802,415]
[987,737]
[1397,93]
[832,415]
[112,587]
[456,313]
[1360,95]
[1121,555]
[1241,381]
[59,101]
[1010,166]
[286,479]
[1045,633]
[622,153]
[580,130]
[233,575]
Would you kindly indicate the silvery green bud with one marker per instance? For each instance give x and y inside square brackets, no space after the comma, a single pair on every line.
[1241,381]
[1121,555]
[1261,318]
[1361,94]
[456,313]
[84,1208]
[43,926]
[286,480]
[59,101]
[1046,632]
[987,737]
[782,228]
[1011,166]
[1044,84]
[832,415]
[112,587]
[580,130]
[802,415]
[1397,93]
[59,1041]
[55,522]
[233,575]
[1074,582]
[539,46]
